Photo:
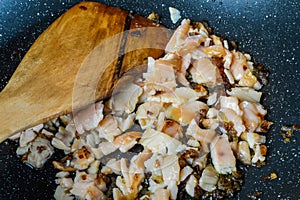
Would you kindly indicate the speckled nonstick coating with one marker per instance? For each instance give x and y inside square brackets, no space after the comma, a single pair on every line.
[267,29]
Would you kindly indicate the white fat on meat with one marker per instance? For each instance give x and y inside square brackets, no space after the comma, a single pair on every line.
[60,145]
[159,142]
[212,113]
[185,94]
[38,128]
[227,59]
[200,162]
[229,76]
[92,139]
[222,156]
[212,99]
[65,182]
[154,185]
[94,167]
[117,194]
[160,121]
[186,61]
[193,143]
[173,189]
[67,134]
[62,174]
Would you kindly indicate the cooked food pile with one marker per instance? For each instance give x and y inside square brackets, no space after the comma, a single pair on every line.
[181,126]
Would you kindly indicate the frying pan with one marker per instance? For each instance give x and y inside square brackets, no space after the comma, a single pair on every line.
[267,29]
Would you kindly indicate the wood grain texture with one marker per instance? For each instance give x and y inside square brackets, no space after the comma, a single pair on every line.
[75,62]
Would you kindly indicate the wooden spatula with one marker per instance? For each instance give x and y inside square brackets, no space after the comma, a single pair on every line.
[75,62]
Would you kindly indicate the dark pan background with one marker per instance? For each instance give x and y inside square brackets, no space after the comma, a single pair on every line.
[267,29]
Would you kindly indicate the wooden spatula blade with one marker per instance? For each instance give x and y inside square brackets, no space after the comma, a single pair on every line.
[42,87]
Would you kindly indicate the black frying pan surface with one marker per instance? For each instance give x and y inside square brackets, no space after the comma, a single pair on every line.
[267,29]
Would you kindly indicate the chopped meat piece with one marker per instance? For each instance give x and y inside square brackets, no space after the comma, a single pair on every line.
[40,150]
[204,136]
[125,95]
[179,36]
[239,65]
[127,140]
[204,72]
[209,179]
[187,112]
[108,128]
[88,118]
[244,152]
[222,155]
[253,115]
[146,113]
[231,103]
[26,137]
[161,194]
[170,169]
[191,185]
[231,116]
[159,142]
[245,94]
[159,78]
[185,172]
